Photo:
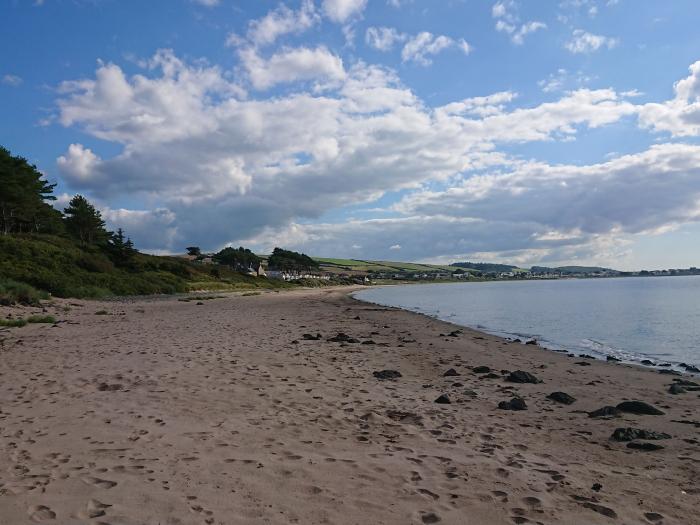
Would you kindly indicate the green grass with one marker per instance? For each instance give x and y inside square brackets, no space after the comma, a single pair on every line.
[250,294]
[64,268]
[13,323]
[359,265]
[50,319]
[19,322]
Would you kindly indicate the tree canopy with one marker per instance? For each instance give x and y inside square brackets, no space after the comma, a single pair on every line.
[84,221]
[238,258]
[289,261]
[23,196]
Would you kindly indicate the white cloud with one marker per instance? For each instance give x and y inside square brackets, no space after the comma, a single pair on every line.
[423,45]
[341,11]
[282,21]
[508,21]
[291,65]
[679,116]
[79,163]
[383,38]
[584,42]
[229,168]
[12,80]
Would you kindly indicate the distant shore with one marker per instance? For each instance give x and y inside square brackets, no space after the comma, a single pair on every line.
[266,409]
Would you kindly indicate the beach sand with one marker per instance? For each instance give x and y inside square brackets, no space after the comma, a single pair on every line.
[172,412]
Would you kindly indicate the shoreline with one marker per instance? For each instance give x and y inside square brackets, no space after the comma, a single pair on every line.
[224,412]
[621,355]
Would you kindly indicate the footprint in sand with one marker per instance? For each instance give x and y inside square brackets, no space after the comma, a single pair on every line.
[41,513]
[100,483]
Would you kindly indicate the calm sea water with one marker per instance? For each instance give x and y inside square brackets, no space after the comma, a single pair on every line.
[655,318]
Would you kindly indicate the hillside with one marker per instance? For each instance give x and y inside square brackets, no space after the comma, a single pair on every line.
[571,270]
[359,265]
[66,268]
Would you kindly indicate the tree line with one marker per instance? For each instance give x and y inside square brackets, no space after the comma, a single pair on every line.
[25,198]
[25,207]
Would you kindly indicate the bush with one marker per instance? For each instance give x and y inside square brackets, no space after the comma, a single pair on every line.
[50,319]
[13,323]
[13,292]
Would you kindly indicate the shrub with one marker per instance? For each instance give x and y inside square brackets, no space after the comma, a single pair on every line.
[12,292]
[41,319]
[13,323]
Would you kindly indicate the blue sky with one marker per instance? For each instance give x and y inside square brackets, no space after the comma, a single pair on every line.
[539,132]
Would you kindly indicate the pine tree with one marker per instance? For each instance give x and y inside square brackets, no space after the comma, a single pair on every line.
[84,222]
[23,196]
[120,248]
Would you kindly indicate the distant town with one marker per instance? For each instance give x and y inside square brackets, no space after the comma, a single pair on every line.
[368,271]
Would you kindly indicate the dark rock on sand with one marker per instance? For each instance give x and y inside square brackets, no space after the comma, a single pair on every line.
[586,356]
[491,375]
[647,362]
[454,333]
[522,377]
[481,369]
[352,340]
[311,337]
[670,372]
[444,399]
[630,434]
[340,338]
[368,342]
[386,374]
[450,373]
[600,509]
[514,404]
[639,407]
[643,445]
[691,368]
[561,397]
[611,358]
[532,342]
[582,363]
[104,387]
[596,487]
[606,411]
[676,389]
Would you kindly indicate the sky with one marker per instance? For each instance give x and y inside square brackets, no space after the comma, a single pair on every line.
[532,132]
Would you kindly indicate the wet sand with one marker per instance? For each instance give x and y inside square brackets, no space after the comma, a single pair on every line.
[171,412]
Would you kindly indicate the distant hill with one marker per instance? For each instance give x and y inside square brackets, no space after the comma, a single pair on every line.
[572,270]
[359,265]
[486,267]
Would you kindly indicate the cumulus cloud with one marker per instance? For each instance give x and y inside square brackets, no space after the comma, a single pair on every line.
[217,160]
[508,21]
[420,47]
[282,21]
[291,65]
[679,116]
[341,11]
[233,169]
[584,42]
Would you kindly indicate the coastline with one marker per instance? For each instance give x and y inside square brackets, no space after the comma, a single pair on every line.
[221,412]
[550,333]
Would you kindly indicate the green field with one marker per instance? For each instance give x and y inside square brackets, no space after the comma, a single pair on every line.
[359,265]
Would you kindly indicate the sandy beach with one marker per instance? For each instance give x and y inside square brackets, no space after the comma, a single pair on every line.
[223,412]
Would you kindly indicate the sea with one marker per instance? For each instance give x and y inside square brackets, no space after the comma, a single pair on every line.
[630,318]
